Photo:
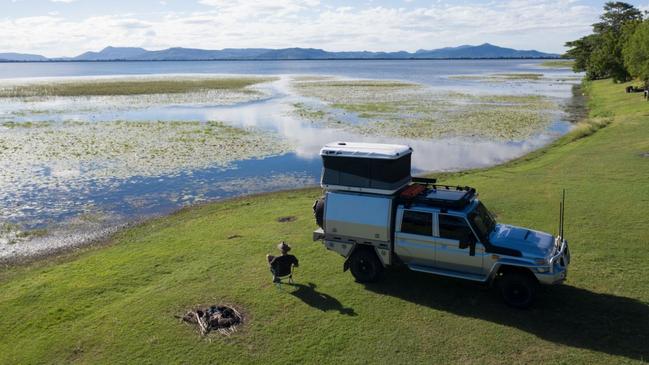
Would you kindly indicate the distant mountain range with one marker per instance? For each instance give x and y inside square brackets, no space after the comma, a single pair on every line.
[21,57]
[192,54]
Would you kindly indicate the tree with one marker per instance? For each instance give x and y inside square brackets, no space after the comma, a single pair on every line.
[616,14]
[636,53]
[607,59]
[600,54]
[580,50]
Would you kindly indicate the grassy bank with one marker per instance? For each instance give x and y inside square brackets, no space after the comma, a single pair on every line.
[116,304]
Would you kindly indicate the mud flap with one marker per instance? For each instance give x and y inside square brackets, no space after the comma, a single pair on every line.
[347,264]
[348,260]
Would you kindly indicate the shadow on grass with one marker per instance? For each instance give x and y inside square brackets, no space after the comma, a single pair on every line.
[319,300]
[563,314]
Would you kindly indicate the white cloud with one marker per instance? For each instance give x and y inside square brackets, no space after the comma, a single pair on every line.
[525,24]
[63,1]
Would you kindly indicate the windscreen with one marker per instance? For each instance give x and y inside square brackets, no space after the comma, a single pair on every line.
[482,221]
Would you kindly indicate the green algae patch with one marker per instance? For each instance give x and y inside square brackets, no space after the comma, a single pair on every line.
[102,87]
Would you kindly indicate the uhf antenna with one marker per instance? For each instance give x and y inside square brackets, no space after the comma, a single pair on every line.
[562,206]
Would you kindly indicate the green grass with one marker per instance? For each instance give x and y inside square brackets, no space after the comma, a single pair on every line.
[130,87]
[558,64]
[116,304]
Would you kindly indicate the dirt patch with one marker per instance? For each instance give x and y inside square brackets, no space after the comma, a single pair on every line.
[646,154]
[287,219]
[234,236]
[224,319]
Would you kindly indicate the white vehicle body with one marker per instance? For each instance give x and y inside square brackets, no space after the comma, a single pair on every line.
[376,215]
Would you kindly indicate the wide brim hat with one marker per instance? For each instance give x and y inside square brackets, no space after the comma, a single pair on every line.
[284,247]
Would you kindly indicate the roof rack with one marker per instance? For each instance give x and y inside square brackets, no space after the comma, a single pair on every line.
[426,191]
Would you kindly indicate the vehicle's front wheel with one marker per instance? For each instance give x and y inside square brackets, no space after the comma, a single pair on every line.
[517,289]
[365,266]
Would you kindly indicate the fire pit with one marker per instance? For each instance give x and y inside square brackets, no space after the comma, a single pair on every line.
[221,318]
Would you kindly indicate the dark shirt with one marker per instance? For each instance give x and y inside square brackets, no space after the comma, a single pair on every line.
[281,265]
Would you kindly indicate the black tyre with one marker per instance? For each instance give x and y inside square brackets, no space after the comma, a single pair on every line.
[365,266]
[518,289]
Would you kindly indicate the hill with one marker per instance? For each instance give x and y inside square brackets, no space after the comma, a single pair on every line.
[485,50]
[111,53]
[194,54]
[21,57]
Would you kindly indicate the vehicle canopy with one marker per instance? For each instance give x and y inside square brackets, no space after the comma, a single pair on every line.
[366,167]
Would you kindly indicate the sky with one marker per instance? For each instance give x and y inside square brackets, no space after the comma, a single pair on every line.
[56,28]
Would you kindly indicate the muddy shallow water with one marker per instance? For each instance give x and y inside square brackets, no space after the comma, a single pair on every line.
[75,168]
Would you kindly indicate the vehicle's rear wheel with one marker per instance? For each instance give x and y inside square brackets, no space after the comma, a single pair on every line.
[518,289]
[365,266]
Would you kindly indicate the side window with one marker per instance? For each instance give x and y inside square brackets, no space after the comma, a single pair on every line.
[417,223]
[455,228]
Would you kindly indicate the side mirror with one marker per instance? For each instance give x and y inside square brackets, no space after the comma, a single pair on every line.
[468,242]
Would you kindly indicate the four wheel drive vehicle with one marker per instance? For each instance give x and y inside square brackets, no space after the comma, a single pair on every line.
[377,218]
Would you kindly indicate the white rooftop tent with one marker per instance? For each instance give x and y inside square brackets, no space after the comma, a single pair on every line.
[367,167]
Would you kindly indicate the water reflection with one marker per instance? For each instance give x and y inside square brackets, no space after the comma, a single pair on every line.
[275,113]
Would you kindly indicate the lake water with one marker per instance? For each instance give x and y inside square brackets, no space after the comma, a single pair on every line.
[87,207]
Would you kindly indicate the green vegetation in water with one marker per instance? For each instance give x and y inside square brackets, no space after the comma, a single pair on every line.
[520,76]
[500,77]
[367,107]
[11,233]
[495,124]
[412,111]
[351,91]
[120,149]
[28,124]
[558,64]
[304,112]
[116,304]
[99,87]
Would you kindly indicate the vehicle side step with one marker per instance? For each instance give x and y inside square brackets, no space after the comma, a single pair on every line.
[453,274]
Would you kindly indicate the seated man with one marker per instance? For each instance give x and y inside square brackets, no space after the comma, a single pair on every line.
[281,265]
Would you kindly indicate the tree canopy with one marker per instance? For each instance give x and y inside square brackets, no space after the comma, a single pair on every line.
[636,52]
[603,53]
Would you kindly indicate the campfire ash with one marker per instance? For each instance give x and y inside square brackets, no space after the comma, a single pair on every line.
[223,319]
